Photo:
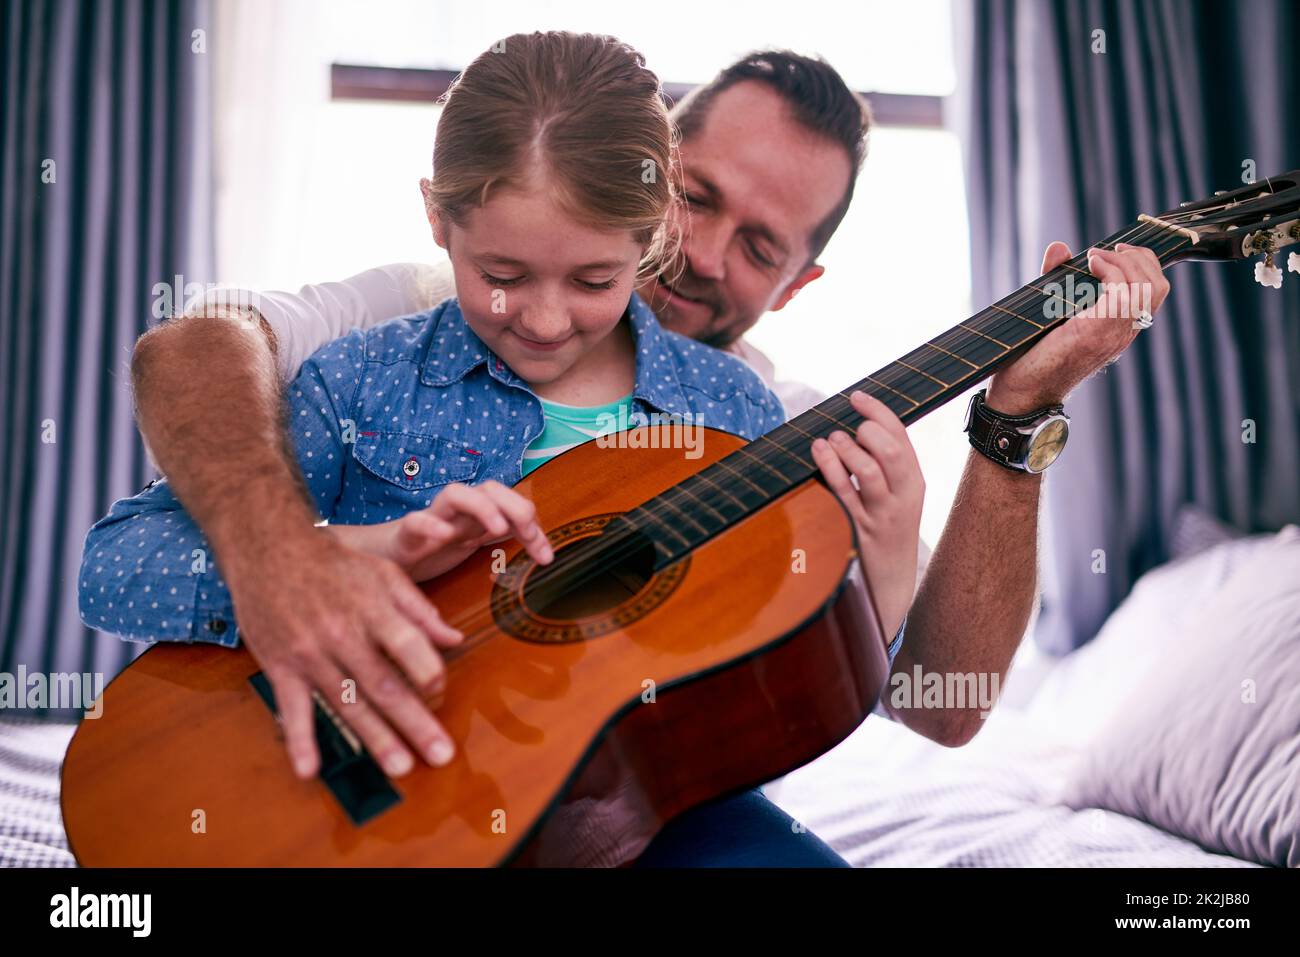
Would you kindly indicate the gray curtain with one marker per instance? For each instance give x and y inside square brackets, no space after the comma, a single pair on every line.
[105,191]
[1066,141]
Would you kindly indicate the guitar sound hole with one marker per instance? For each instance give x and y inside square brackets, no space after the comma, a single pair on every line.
[591,576]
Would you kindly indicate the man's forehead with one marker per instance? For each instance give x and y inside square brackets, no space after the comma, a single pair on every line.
[770,168]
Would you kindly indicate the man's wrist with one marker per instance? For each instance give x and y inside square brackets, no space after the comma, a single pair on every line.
[1010,401]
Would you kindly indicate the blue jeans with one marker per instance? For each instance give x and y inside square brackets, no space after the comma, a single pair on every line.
[746,830]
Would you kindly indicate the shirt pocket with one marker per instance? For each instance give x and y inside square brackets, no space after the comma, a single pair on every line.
[405,469]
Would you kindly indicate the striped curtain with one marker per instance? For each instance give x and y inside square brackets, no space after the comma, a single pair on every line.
[105,198]
[1076,117]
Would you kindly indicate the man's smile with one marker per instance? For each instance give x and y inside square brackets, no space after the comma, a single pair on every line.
[693,306]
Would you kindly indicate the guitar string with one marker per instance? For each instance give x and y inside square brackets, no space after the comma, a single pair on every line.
[753,450]
[626,542]
[782,452]
[1142,230]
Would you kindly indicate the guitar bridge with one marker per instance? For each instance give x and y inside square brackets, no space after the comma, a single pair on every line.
[346,767]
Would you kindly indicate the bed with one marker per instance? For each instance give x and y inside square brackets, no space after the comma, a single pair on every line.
[887,797]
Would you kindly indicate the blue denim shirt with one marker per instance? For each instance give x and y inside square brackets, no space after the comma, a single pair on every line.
[382,420]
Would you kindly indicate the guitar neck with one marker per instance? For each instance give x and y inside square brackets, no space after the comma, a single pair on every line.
[912,386]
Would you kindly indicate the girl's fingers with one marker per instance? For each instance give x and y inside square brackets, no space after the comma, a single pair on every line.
[457,499]
[869,407]
[522,516]
[837,479]
[873,487]
[419,534]
[895,450]
[901,471]
[411,602]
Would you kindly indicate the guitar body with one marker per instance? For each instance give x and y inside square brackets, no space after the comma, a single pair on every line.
[578,735]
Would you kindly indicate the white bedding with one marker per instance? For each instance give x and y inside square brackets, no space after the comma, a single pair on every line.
[889,797]
[31,824]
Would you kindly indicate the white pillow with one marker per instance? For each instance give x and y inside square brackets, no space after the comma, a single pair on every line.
[1206,744]
[1084,688]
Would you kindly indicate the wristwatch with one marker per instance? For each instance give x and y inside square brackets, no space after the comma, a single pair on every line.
[1022,443]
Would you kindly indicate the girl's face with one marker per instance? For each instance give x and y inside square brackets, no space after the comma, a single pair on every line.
[540,288]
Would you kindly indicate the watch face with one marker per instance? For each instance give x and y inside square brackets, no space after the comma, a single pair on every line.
[1046,445]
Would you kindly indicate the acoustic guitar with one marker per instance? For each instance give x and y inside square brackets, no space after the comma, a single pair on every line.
[695,635]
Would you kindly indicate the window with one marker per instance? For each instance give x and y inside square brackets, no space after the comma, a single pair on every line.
[316,186]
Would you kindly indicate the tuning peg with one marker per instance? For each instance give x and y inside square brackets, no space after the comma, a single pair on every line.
[1293,262]
[1267,274]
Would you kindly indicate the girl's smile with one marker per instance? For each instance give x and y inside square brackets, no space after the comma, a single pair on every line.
[545,290]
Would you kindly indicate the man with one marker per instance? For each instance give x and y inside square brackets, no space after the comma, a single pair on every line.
[770,152]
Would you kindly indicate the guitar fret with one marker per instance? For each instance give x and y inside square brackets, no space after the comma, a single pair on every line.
[962,325]
[647,510]
[834,421]
[1010,330]
[980,350]
[770,467]
[682,487]
[790,452]
[663,497]
[892,389]
[722,463]
[791,425]
[1015,319]
[703,475]
[924,373]
[953,354]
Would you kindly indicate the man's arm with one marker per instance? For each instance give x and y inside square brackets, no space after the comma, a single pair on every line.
[209,405]
[979,588]
[976,595]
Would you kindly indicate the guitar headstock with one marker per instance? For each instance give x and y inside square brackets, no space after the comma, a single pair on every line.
[1261,218]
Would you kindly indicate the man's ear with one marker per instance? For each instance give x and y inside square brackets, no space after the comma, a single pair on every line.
[431,211]
[808,275]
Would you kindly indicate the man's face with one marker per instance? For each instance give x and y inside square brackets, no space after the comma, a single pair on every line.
[757,184]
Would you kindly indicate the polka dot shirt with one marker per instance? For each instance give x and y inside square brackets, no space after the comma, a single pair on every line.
[381,420]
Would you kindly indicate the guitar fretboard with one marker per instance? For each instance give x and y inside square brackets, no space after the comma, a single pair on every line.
[690,513]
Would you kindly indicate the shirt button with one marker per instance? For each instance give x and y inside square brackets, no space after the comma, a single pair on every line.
[217,626]
[411,468]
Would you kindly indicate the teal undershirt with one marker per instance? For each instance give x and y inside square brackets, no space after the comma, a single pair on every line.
[567,426]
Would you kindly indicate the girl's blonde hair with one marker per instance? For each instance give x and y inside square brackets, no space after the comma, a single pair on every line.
[578,111]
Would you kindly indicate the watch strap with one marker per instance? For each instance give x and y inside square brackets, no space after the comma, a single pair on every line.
[999,436]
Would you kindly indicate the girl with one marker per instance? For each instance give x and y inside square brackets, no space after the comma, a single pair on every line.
[553,180]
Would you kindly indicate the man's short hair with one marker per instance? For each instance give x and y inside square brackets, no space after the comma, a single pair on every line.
[819,100]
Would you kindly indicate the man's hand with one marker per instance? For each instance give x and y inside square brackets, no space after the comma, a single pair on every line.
[461,520]
[312,612]
[885,505]
[1088,341]
[315,615]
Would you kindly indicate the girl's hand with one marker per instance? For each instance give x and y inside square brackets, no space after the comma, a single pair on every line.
[885,506]
[461,520]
